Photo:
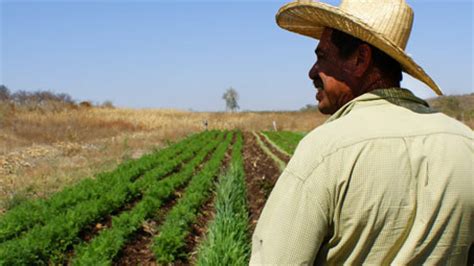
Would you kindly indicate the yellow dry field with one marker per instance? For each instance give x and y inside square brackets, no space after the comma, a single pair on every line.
[41,152]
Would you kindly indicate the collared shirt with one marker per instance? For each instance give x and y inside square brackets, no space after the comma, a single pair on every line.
[386,180]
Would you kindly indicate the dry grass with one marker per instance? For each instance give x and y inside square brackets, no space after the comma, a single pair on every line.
[461,107]
[153,119]
[25,128]
[39,170]
[41,152]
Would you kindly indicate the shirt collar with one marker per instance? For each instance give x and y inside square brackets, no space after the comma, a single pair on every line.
[398,96]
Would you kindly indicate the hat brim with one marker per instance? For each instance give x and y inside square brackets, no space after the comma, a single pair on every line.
[310,19]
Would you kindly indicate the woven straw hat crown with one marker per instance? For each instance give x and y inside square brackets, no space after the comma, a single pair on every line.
[392,19]
[386,24]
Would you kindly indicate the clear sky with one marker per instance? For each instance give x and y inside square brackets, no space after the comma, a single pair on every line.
[185,54]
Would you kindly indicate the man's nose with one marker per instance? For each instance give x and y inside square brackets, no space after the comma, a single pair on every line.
[313,72]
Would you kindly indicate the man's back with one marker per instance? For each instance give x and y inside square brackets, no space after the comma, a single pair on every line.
[379,183]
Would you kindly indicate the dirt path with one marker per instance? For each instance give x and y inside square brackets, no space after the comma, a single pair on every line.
[261,174]
[276,152]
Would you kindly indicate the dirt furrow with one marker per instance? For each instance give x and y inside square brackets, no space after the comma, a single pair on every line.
[138,250]
[277,153]
[93,229]
[205,214]
[261,174]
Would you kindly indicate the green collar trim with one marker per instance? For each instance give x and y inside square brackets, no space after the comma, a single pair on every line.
[398,96]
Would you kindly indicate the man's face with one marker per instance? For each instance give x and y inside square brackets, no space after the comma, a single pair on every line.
[330,76]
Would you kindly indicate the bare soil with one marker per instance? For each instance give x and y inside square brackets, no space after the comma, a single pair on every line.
[261,174]
[198,232]
[138,250]
[90,231]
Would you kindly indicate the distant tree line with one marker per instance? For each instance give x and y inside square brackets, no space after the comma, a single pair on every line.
[460,107]
[38,97]
[43,99]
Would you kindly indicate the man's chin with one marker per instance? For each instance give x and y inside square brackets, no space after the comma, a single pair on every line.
[325,110]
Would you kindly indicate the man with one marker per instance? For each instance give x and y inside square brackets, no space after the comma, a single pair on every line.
[386,180]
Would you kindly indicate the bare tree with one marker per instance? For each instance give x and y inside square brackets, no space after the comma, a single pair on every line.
[21,97]
[231,97]
[65,98]
[4,93]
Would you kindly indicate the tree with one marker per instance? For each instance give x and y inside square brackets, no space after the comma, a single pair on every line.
[4,93]
[21,97]
[107,104]
[309,108]
[65,98]
[231,97]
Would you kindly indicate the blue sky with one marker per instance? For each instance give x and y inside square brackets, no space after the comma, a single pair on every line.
[185,54]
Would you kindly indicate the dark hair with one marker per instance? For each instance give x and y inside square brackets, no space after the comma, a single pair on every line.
[348,44]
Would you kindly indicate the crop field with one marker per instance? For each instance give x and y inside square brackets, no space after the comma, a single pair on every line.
[195,202]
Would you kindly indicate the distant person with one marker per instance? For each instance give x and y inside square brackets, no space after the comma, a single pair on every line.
[386,180]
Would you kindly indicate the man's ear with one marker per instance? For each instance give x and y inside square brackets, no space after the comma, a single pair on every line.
[363,58]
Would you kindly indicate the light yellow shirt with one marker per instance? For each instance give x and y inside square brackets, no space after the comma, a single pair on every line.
[384,181]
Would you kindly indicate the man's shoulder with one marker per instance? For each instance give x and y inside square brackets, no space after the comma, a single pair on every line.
[383,121]
[361,127]
[322,142]
[330,137]
[345,131]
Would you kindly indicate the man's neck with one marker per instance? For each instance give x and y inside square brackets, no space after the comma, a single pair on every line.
[374,82]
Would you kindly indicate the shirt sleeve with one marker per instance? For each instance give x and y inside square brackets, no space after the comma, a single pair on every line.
[292,225]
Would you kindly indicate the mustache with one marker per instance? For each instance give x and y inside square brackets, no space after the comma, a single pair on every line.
[318,83]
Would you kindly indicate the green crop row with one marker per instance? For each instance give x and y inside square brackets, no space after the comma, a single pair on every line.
[192,149]
[61,231]
[227,241]
[286,140]
[102,249]
[168,245]
[37,212]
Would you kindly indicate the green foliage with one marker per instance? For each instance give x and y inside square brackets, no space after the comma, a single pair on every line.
[227,241]
[108,243]
[54,224]
[281,164]
[286,140]
[168,245]
[37,212]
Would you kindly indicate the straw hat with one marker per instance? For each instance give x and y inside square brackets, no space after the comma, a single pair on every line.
[385,24]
